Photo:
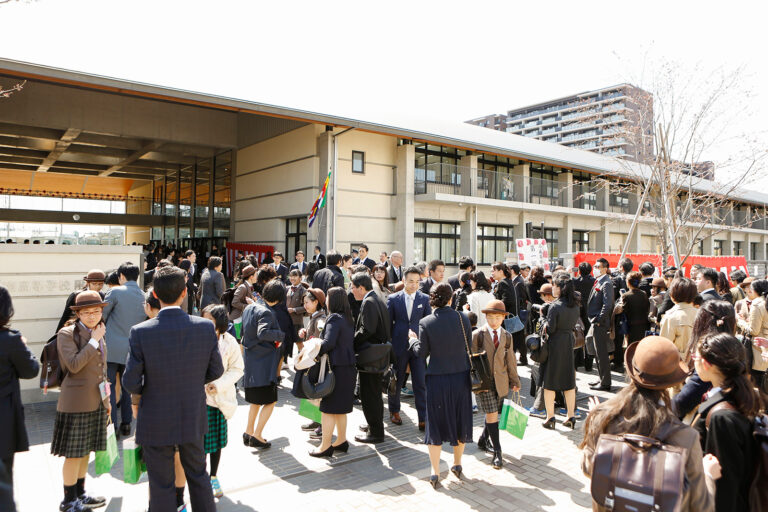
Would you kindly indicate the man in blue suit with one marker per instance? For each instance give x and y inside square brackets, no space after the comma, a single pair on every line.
[406,308]
[172,357]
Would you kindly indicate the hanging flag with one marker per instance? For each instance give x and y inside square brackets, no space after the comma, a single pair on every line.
[320,201]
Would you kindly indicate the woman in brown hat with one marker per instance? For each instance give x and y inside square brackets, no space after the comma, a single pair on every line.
[94,281]
[497,344]
[81,413]
[643,407]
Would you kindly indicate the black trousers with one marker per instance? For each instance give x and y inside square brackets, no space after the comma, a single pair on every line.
[6,483]
[518,343]
[373,404]
[162,489]
[602,340]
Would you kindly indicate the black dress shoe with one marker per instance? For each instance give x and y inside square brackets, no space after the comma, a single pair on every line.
[549,424]
[595,383]
[363,428]
[310,426]
[92,501]
[482,444]
[247,439]
[598,387]
[125,429]
[497,462]
[368,438]
[255,443]
[343,447]
[570,423]
[456,470]
[434,481]
[325,453]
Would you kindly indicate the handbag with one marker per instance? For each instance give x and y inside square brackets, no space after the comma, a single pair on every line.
[324,384]
[579,336]
[479,367]
[374,359]
[538,348]
[389,381]
[514,324]
[636,473]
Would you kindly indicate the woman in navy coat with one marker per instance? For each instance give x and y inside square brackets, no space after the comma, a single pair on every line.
[338,337]
[16,362]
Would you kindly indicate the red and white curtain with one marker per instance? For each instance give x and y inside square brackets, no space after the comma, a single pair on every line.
[260,251]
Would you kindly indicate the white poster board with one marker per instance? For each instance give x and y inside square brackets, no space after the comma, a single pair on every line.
[533,252]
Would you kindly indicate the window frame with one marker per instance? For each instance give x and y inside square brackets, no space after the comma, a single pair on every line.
[295,237]
[362,160]
[420,238]
[496,239]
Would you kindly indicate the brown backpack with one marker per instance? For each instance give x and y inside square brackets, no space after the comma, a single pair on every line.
[636,473]
[52,373]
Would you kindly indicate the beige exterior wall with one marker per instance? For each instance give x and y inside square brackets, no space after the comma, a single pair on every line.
[41,277]
[275,179]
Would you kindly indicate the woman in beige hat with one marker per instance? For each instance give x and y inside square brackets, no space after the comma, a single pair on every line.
[94,281]
[643,407]
[81,413]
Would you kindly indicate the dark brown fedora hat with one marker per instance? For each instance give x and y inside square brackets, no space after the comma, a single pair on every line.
[654,363]
[87,299]
[494,306]
[95,275]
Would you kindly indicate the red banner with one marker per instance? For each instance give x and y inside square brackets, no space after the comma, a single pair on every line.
[724,264]
[260,251]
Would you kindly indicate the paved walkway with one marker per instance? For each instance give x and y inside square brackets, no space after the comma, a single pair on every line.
[541,472]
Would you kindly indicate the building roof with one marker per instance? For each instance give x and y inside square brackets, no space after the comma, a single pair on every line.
[450,133]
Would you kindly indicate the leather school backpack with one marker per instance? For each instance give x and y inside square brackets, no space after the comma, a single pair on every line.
[52,372]
[634,473]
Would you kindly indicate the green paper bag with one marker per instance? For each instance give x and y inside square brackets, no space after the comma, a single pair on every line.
[310,409]
[133,462]
[238,329]
[504,414]
[106,459]
[517,419]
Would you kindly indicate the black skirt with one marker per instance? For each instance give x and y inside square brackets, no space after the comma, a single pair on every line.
[262,395]
[341,398]
[449,409]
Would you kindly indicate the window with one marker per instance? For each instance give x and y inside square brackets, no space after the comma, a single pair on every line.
[619,201]
[737,248]
[550,235]
[584,191]
[718,247]
[580,242]
[543,186]
[436,240]
[493,242]
[358,162]
[753,250]
[295,237]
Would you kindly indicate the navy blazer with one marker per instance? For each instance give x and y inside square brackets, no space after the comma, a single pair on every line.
[426,285]
[260,332]
[710,295]
[171,358]
[16,362]
[282,272]
[401,324]
[338,341]
[441,339]
[301,267]
[600,304]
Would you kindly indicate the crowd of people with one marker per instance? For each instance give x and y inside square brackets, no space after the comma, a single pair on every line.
[190,343]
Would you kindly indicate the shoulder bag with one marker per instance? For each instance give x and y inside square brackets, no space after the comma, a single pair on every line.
[636,473]
[376,357]
[324,384]
[479,367]
[514,324]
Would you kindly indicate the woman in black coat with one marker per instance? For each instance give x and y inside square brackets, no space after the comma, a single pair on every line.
[16,362]
[724,420]
[636,307]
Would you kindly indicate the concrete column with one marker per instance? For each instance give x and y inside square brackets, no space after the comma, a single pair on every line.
[635,243]
[761,242]
[325,222]
[565,180]
[604,237]
[520,226]
[709,246]
[634,201]
[565,235]
[468,238]
[521,175]
[403,202]
[603,203]
[468,173]
[728,246]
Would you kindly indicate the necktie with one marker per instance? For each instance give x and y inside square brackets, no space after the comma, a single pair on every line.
[496,338]
[409,305]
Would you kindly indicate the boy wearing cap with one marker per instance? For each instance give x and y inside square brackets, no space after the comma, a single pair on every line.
[497,344]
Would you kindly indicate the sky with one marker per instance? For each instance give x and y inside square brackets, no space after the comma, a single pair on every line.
[444,60]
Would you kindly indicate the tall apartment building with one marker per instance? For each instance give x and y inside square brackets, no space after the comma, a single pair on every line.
[615,121]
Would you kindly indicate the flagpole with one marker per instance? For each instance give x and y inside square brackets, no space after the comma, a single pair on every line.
[334,184]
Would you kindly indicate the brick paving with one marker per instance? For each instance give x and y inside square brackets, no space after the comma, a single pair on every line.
[541,472]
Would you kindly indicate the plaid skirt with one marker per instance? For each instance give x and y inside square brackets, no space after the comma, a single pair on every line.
[216,438]
[489,402]
[77,434]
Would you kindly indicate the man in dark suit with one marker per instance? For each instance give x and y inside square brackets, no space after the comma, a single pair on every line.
[383,259]
[192,257]
[620,280]
[647,269]
[584,284]
[395,270]
[465,265]
[172,357]
[706,280]
[372,327]
[436,274]
[599,310]
[521,292]
[364,259]
[318,258]
[406,308]
[300,264]
[280,269]
[331,275]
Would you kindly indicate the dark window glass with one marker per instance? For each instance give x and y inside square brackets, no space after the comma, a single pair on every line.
[492,242]
[358,162]
[436,240]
